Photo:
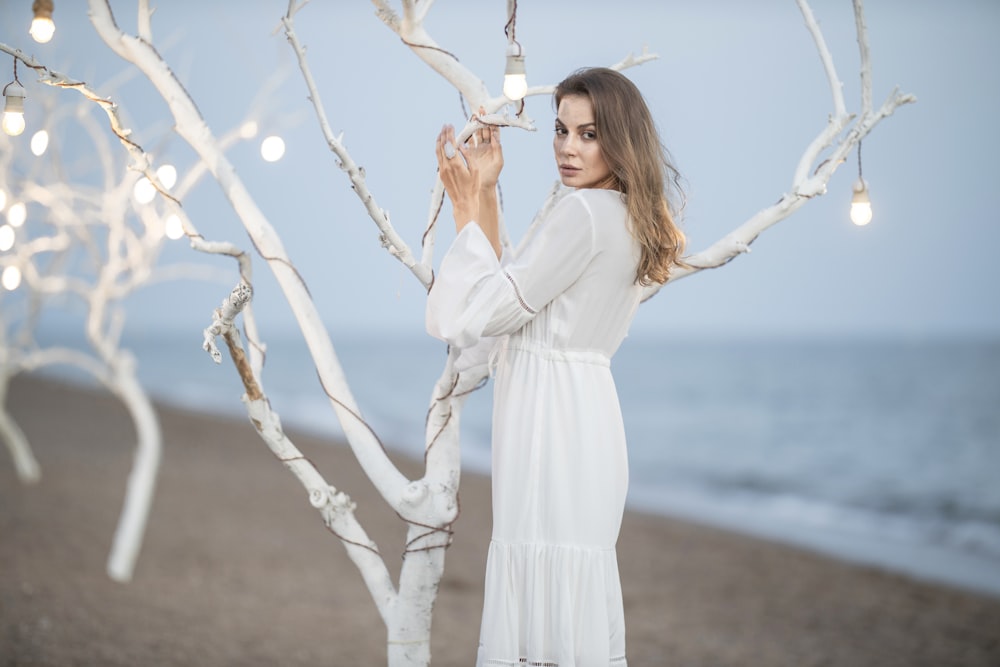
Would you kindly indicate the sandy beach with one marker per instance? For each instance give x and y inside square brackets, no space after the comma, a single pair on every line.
[237,568]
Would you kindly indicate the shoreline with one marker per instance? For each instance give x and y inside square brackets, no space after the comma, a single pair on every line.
[237,568]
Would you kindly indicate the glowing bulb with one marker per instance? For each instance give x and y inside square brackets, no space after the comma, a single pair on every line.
[248,130]
[13,109]
[42,30]
[11,278]
[861,205]
[17,214]
[6,238]
[174,228]
[39,143]
[144,191]
[515,81]
[42,26]
[167,175]
[272,148]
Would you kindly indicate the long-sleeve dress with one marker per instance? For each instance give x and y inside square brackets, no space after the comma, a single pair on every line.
[561,306]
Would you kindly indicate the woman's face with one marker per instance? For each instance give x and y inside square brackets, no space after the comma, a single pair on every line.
[578,151]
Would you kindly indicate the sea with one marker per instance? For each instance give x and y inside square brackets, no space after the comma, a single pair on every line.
[883,451]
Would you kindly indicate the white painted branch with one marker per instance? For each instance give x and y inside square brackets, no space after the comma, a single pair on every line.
[391,240]
[119,377]
[334,506]
[142,478]
[411,30]
[25,463]
[866,62]
[836,87]
[839,118]
[192,127]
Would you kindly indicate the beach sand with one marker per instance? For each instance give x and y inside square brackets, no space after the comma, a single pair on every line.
[237,568]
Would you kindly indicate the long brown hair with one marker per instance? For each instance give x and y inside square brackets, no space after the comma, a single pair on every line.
[639,164]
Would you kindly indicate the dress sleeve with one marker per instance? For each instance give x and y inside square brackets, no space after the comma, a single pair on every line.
[474,295]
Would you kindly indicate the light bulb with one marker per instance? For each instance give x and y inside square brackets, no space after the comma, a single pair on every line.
[272,148]
[861,205]
[174,229]
[144,191]
[13,109]
[6,238]
[11,278]
[39,143]
[167,175]
[515,80]
[17,214]
[42,30]
[42,26]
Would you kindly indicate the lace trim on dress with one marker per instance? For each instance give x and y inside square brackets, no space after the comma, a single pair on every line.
[613,662]
[517,293]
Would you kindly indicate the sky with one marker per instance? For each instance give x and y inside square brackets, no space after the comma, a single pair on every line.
[738,92]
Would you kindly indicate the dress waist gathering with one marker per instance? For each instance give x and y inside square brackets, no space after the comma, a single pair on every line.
[566,355]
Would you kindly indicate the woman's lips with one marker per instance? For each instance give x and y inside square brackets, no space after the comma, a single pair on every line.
[566,170]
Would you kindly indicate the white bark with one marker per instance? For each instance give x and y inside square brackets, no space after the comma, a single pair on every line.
[192,127]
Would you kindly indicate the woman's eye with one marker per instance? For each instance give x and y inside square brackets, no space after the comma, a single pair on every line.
[589,135]
[560,130]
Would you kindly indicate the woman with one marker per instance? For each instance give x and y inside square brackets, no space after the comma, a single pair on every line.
[564,301]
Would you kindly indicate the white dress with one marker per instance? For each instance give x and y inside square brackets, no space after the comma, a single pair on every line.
[562,305]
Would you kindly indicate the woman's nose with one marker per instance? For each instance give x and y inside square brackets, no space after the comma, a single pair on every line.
[569,146]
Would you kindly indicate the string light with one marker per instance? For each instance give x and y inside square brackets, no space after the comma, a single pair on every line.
[17,214]
[13,108]
[11,278]
[272,148]
[174,228]
[39,143]
[515,80]
[167,175]
[861,205]
[7,237]
[42,26]
[144,191]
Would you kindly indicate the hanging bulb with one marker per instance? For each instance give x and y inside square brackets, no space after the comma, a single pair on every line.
[39,143]
[861,205]
[13,109]
[272,148]
[173,227]
[167,175]
[144,191]
[17,214]
[42,26]
[515,80]
[7,237]
[11,278]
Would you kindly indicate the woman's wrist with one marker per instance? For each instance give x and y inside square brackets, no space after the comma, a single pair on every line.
[464,215]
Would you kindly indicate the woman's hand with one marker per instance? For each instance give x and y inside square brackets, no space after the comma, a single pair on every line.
[487,152]
[460,176]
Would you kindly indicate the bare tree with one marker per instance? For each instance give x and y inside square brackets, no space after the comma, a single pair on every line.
[428,506]
[91,246]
